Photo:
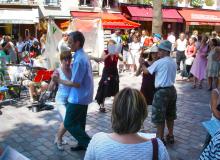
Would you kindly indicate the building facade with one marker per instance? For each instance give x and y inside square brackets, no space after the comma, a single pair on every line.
[202,15]
[18,17]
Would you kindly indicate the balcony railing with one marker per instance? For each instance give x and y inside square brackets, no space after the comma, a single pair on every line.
[52,2]
[18,2]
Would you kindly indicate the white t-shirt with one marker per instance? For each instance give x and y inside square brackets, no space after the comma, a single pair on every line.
[102,147]
[20,46]
[181,45]
[165,72]
[143,39]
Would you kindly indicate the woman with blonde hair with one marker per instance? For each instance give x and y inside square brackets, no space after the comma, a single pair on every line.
[64,73]
[125,143]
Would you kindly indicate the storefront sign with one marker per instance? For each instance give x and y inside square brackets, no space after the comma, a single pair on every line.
[204,17]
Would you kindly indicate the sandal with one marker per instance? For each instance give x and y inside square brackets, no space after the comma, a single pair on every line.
[170,139]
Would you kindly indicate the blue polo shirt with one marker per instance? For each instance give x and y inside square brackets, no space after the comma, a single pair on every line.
[82,74]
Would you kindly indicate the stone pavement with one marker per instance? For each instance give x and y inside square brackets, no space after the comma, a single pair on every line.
[32,134]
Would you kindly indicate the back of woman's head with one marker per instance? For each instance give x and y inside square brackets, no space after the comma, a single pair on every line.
[65,55]
[129,111]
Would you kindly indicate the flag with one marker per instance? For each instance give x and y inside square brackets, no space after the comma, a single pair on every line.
[54,35]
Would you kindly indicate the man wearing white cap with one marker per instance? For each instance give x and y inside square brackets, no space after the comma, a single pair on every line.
[63,44]
[164,102]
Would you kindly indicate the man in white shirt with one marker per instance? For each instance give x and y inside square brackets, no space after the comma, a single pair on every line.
[181,45]
[143,37]
[164,102]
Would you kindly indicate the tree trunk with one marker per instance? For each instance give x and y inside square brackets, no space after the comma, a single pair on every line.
[157,17]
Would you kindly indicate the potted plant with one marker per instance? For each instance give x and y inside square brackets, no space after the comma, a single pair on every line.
[197,3]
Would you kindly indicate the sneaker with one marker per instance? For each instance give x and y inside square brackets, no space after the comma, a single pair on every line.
[59,146]
[170,139]
[63,142]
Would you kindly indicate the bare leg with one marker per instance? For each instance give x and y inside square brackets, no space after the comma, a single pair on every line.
[170,125]
[200,84]
[170,137]
[132,68]
[135,67]
[61,132]
[194,82]
[32,91]
[160,130]
[216,82]
[102,106]
[210,82]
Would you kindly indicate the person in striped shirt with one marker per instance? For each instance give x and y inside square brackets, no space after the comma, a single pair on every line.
[212,151]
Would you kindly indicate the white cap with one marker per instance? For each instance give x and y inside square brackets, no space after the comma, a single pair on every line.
[154,49]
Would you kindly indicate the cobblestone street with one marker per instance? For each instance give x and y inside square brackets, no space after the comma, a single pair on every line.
[32,134]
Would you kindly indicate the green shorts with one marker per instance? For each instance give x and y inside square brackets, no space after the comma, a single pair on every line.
[164,105]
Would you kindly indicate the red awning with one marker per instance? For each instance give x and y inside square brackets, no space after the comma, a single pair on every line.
[200,17]
[109,20]
[146,14]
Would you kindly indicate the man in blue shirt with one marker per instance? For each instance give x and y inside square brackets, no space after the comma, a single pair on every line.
[81,93]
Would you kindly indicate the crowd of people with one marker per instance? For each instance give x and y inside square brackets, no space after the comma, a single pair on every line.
[16,48]
[196,57]
[157,89]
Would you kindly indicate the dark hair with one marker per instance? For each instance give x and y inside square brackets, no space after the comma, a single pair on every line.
[129,111]
[199,38]
[65,55]
[214,41]
[78,36]
[194,39]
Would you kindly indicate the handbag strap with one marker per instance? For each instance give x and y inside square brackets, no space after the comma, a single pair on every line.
[155,148]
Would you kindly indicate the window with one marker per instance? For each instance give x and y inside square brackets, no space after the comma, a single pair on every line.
[52,2]
[10,1]
[108,4]
[85,2]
